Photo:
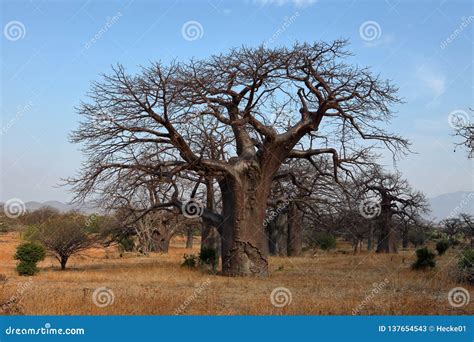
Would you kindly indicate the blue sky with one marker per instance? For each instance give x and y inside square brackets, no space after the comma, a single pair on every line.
[51,51]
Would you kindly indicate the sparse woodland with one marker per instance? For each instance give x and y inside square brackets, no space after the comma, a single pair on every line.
[262,167]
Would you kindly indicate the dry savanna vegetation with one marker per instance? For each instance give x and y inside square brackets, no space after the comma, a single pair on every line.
[270,159]
[334,282]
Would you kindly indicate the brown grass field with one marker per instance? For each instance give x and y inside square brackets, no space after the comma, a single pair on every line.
[332,283]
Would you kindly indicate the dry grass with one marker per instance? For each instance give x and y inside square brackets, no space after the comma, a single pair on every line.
[325,284]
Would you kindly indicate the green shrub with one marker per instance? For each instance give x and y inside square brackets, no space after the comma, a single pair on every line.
[424,259]
[190,261]
[127,244]
[209,257]
[25,268]
[466,266]
[442,246]
[30,252]
[325,241]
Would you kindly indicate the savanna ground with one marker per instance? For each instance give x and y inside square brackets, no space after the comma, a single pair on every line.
[329,283]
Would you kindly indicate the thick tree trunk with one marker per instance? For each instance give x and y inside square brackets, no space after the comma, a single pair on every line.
[388,240]
[272,231]
[209,234]
[295,222]
[277,232]
[189,237]
[244,242]
[370,240]
[160,242]
[404,238]
[209,237]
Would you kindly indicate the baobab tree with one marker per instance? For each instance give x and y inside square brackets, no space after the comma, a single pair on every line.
[292,187]
[273,105]
[452,227]
[393,197]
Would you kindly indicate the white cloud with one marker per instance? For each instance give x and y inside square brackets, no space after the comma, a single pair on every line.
[385,39]
[433,80]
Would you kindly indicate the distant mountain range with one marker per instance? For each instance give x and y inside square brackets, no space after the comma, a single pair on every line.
[452,204]
[442,206]
[88,208]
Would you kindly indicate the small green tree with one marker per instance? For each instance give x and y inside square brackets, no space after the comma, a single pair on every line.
[209,257]
[466,266]
[29,253]
[424,259]
[190,261]
[442,246]
[126,244]
[323,240]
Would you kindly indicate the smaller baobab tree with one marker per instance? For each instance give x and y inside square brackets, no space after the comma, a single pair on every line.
[353,225]
[391,196]
[468,227]
[452,227]
[284,218]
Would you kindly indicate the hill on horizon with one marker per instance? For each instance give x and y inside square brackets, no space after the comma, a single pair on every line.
[442,206]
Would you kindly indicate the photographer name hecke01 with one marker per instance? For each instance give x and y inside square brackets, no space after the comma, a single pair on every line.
[422,328]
